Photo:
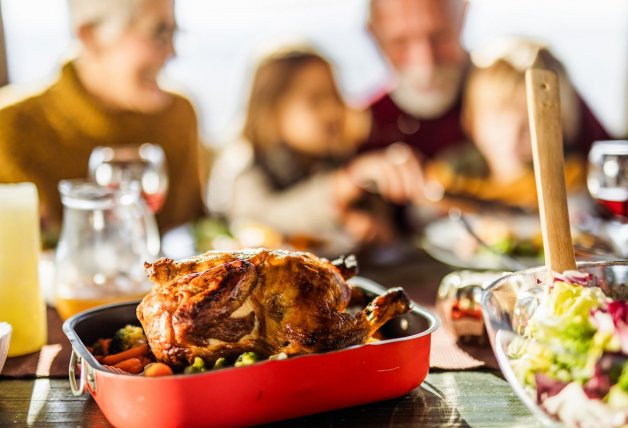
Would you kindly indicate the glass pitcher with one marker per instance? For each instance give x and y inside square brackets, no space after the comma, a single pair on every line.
[106,236]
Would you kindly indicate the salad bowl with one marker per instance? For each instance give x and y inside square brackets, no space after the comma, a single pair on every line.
[562,342]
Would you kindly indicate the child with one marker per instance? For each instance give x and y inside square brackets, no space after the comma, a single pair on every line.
[495,118]
[288,171]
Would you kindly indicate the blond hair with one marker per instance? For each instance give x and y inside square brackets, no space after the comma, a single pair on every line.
[499,73]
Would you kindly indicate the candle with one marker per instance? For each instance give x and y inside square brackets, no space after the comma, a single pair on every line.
[21,301]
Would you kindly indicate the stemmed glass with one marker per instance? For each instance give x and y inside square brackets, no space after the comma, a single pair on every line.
[607,177]
[115,166]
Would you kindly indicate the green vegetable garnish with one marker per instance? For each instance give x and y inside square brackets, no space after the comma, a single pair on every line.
[198,366]
[127,337]
[220,363]
[246,359]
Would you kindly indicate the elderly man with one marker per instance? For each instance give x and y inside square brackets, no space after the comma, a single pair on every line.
[421,41]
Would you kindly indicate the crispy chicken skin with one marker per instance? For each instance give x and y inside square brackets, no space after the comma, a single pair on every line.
[221,304]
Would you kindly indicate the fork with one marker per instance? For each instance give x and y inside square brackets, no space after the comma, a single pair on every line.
[507,260]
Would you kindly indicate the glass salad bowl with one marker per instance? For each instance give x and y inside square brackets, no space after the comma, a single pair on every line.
[562,343]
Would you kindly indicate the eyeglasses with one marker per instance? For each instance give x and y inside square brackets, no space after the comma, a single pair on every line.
[160,34]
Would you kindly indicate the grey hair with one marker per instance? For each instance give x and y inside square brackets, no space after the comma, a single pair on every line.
[110,17]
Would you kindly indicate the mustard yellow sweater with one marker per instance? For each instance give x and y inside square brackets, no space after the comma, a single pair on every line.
[49,137]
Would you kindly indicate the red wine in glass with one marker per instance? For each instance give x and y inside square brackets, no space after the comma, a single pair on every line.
[145,164]
[607,178]
[614,202]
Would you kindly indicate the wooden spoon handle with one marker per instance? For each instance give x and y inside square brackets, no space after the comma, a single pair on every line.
[547,151]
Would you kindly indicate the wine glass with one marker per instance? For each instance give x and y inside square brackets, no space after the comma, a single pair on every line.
[115,166]
[607,177]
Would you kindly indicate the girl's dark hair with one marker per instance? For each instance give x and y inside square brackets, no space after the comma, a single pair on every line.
[272,80]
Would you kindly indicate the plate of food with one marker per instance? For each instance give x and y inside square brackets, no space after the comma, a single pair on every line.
[562,341]
[246,337]
[517,236]
[513,242]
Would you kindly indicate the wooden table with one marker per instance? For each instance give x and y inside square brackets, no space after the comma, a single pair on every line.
[476,398]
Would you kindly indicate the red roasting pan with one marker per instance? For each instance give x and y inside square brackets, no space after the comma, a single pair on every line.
[263,392]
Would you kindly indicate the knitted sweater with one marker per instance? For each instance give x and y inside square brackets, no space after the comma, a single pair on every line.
[49,137]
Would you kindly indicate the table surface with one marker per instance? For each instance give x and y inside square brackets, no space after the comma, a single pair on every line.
[475,398]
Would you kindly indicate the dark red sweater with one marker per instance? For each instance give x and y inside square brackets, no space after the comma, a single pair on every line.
[429,137]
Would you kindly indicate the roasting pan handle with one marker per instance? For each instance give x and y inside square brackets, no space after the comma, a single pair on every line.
[77,389]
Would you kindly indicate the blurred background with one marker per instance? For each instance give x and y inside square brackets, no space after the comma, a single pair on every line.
[218,42]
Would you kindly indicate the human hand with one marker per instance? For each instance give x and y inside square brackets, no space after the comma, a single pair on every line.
[394,173]
[367,228]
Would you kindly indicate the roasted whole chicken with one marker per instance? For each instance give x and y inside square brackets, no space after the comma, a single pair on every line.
[221,304]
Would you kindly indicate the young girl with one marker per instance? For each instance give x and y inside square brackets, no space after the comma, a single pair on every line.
[498,167]
[288,171]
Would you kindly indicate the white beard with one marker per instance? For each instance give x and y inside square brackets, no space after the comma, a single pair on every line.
[427,94]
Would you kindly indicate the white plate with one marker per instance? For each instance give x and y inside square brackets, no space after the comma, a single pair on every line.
[5,339]
[442,236]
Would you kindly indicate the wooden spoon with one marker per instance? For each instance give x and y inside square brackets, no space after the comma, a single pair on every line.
[547,151]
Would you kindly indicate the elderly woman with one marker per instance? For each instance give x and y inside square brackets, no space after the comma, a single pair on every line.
[107,95]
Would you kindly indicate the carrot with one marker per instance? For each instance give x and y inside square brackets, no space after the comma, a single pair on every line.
[131,368]
[157,369]
[135,352]
[137,369]
[127,364]
[104,345]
